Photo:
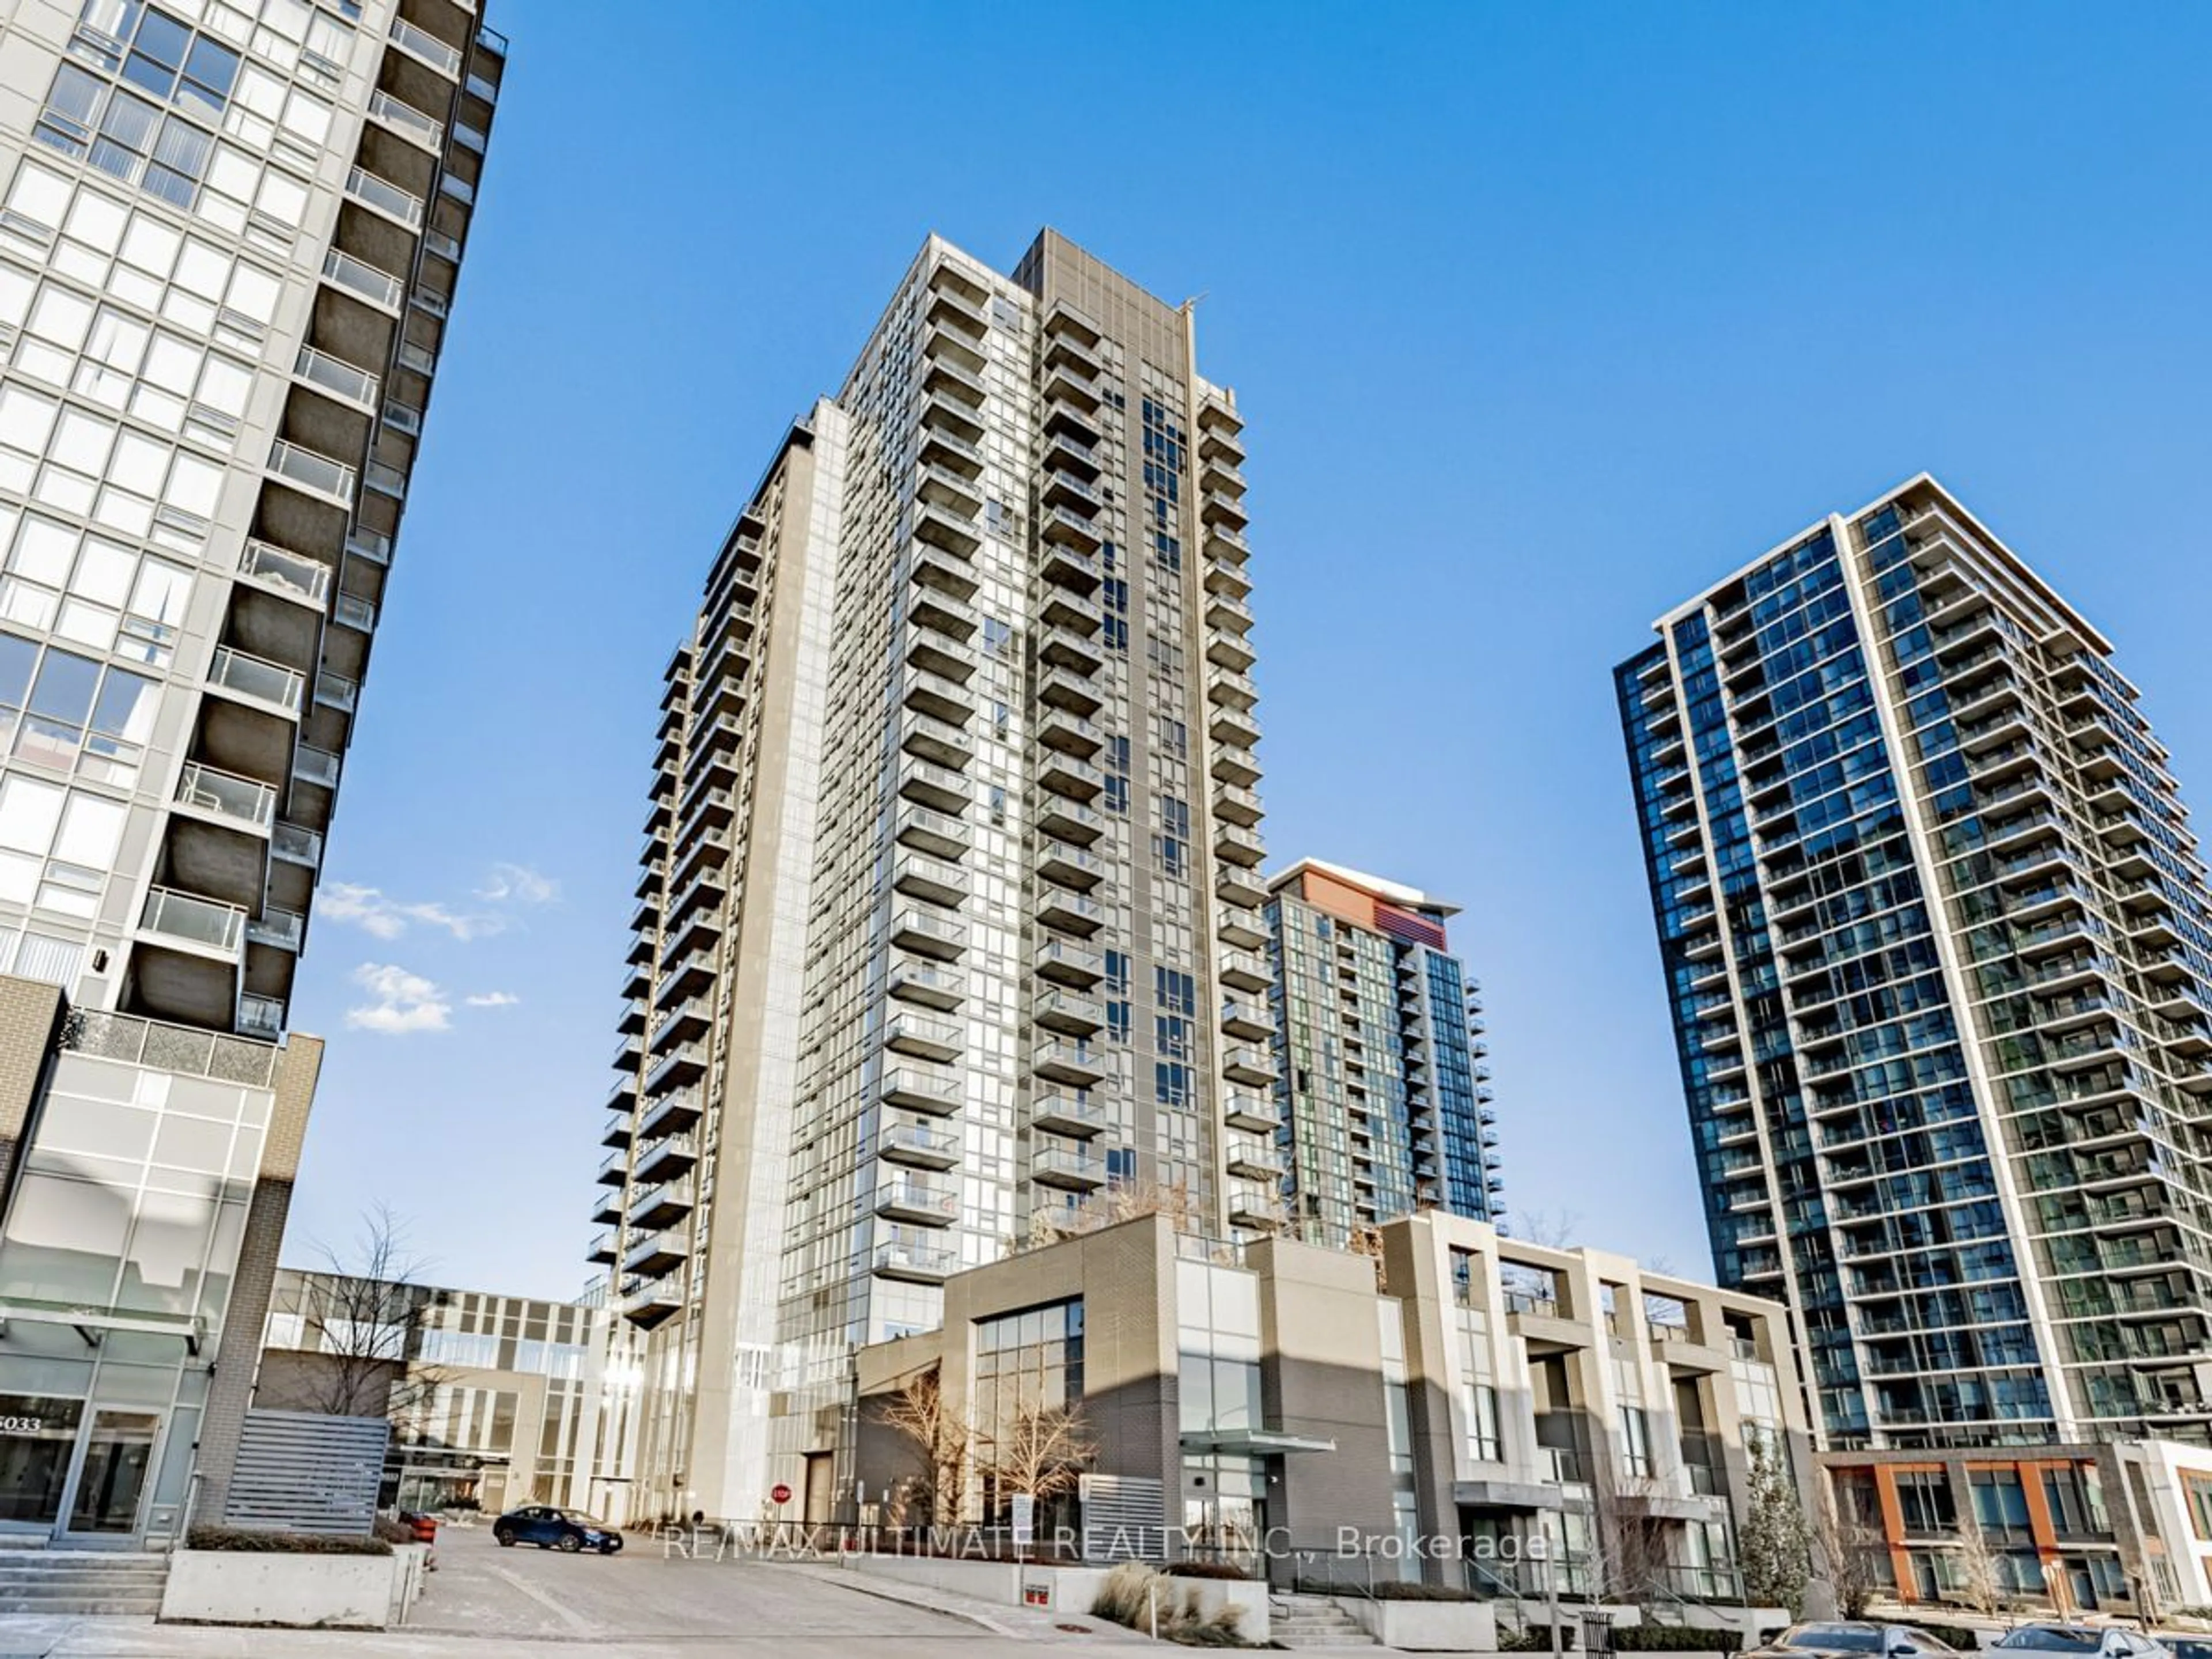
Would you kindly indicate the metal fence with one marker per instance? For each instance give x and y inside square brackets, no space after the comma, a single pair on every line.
[305,1472]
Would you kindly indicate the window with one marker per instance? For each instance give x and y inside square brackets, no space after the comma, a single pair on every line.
[1635,1442]
[1484,1442]
[123,128]
[1924,1498]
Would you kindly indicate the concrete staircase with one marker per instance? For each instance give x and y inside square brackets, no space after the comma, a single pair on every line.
[1314,1621]
[56,1583]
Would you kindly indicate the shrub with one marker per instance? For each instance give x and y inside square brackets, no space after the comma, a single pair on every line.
[1675,1639]
[1393,1591]
[1537,1639]
[1206,1570]
[394,1532]
[1126,1596]
[246,1539]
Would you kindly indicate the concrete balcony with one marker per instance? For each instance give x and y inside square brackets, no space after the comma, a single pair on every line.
[667,1158]
[1070,913]
[1228,688]
[1066,451]
[1236,886]
[927,935]
[1229,578]
[918,1145]
[1064,774]
[1242,927]
[1075,1113]
[1251,1113]
[1234,844]
[951,452]
[673,1114]
[1062,688]
[1068,1170]
[1254,1206]
[1070,567]
[920,1202]
[655,1253]
[944,343]
[926,984]
[1243,970]
[1073,1013]
[663,1205]
[941,486]
[188,956]
[1064,647]
[941,412]
[919,1035]
[938,741]
[941,572]
[913,1262]
[646,1302]
[923,878]
[1257,1160]
[1070,527]
[685,1063]
[1239,728]
[1248,1066]
[1245,1019]
[1063,1060]
[1066,962]
[1235,767]
[928,830]
[935,786]
[1069,866]
[938,697]
[1224,545]
[1232,651]
[921,1089]
[1069,820]
[1231,616]
[1237,804]
[1226,510]
[1064,608]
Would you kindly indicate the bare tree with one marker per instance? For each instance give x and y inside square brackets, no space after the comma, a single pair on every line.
[1632,1543]
[940,1438]
[1043,1452]
[1120,1201]
[1555,1230]
[1849,1554]
[366,1311]
[1977,1576]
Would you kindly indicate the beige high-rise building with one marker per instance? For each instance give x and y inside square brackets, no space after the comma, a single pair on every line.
[948,917]
[229,235]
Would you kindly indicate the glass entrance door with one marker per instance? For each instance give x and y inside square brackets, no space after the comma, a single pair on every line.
[37,1435]
[111,1479]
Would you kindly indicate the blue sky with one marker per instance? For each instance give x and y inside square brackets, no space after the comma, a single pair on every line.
[1541,318]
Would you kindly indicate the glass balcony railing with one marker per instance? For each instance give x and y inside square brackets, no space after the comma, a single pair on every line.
[261,1017]
[195,920]
[252,676]
[284,929]
[427,46]
[337,377]
[308,578]
[387,197]
[242,799]
[409,119]
[363,278]
[316,766]
[317,473]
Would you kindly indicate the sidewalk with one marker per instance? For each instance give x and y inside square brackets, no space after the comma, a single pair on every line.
[1021,1624]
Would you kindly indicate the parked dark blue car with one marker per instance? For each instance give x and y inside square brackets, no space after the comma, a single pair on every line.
[565,1530]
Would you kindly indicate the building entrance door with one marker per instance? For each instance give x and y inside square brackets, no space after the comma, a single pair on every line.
[112,1473]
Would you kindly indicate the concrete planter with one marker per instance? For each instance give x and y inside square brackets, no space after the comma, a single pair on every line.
[1426,1626]
[1067,1590]
[243,1587]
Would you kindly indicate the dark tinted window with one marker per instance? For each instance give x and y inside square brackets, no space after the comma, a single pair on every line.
[1835,1638]
[2047,1638]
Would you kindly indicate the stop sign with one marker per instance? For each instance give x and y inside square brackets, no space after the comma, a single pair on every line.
[780,1493]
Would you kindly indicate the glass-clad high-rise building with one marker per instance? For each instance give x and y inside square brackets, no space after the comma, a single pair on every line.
[230,232]
[948,918]
[1382,1074]
[1936,941]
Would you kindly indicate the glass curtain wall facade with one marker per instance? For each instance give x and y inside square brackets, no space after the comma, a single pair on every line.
[1934,933]
[1379,1065]
[230,232]
[947,921]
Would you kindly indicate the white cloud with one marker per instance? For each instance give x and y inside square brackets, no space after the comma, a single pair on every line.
[492,1000]
[518,884]
[405,1002]
[384,917]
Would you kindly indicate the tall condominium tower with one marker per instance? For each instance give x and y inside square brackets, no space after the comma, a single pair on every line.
[1935,938]
[948,916]
[1379,1059]
[229,231]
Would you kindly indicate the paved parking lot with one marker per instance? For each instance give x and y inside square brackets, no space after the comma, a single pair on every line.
[484,1602]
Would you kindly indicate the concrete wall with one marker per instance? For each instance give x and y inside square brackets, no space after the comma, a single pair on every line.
[235,1587]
